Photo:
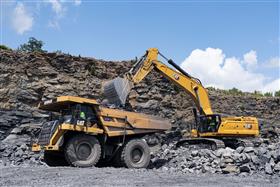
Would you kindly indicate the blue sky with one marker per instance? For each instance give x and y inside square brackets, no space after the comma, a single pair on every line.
[124,29]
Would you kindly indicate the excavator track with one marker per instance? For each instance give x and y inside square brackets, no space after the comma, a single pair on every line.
[236,142]
[245,143]
[210,142]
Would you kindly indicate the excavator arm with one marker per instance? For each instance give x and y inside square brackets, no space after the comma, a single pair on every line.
[191,85]
[208,124]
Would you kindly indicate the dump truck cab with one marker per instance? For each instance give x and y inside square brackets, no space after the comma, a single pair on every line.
[81,132]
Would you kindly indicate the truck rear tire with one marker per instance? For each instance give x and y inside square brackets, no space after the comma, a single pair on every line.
[136,154]
[83,151]
[55,158]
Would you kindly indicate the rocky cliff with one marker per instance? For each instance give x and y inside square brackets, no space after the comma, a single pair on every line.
[28,78]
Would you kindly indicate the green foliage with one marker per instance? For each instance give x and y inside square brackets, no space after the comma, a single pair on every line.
[32,45]
[211,88]
[3,47]
[235,91]
[257,93]
[277,93]
[268,94]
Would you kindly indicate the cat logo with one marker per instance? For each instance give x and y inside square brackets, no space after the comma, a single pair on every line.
[248,126]
[176,76]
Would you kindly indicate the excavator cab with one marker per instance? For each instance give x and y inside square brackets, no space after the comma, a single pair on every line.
[206,123]
[209,123]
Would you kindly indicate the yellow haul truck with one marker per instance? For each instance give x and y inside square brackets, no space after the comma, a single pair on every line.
[86,132]
[210,129]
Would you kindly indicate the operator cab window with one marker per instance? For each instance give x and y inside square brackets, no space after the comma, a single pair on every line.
[90,114]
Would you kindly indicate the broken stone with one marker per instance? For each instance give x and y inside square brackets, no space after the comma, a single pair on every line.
[268,169]
[248,149]
[277,167]
[240,149]
[245,168]
[230,169]
[194,153]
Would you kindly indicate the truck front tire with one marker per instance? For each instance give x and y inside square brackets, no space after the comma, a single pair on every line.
[55,158]
[136,154]
[83,151]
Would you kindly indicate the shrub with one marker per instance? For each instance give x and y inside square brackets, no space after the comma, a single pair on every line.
[235,91]
[32,45]
[3,47]
[268,94]
[277,93]
[257,93]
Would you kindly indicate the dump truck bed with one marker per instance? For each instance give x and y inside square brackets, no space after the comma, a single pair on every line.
[113,122]
[116,120]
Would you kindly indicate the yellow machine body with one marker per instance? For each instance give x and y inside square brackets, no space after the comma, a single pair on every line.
[111,122]
[227,127]
[235,127]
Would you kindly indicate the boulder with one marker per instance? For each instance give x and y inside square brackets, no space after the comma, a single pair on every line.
[239,149]
[245,168]
[248,149]
[230,169]
[268,169]
[277,167]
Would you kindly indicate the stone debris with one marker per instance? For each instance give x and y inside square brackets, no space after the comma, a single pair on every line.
[19,154]
[224,160]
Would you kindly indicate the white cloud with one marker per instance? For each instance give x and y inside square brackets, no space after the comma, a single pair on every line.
[22,21]
[273,86]
[213,68]
[57,7]
[77,2]
[274,62]
[250,59]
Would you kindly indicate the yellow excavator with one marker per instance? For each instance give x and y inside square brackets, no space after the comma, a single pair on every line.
[209,129]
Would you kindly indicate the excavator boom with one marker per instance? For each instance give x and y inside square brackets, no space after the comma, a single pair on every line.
[118,89]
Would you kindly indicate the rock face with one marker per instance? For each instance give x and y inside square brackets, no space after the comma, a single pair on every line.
[28,78]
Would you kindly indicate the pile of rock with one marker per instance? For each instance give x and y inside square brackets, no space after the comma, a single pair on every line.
[19,154]
[19,122]
[248,160]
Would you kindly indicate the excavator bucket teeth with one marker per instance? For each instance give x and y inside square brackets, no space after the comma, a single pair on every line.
[117,90]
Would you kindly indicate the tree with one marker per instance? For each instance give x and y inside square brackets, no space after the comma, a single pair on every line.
[277,93]
[32,45]
[258,93]
[268,94]
[235,91]
[3,47]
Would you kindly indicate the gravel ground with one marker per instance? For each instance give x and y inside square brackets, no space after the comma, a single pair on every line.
[68,176]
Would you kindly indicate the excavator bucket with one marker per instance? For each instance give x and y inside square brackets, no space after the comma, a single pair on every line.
[117,90]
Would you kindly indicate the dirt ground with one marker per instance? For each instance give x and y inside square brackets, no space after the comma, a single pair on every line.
[68,176]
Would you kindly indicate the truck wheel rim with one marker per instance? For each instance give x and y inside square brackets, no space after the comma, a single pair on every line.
[136,155]
[83,150]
